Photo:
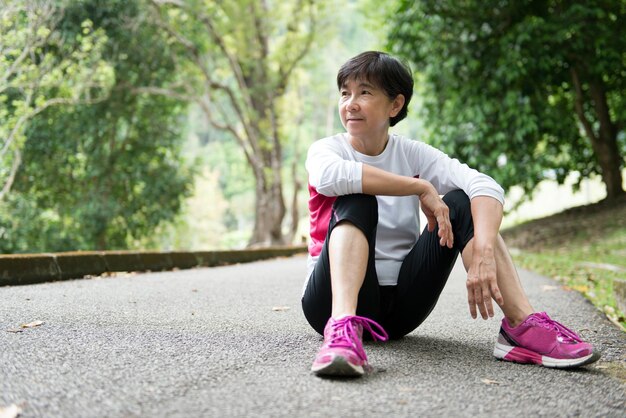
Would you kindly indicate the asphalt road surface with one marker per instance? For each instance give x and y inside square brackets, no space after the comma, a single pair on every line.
[232,342]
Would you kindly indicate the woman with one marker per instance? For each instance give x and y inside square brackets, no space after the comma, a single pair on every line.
[368,265]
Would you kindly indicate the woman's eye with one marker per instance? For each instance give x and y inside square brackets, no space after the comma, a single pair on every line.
[365,92]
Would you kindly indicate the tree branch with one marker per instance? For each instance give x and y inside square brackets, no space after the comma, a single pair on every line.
[199,63]
[285,73]
[578,105]
[162,91]
[17,161]
[598,96]
[250,155]
[47,12]
[163,25]
[16,128]
[177,3]
[258,25]
[232,61]
[35,111]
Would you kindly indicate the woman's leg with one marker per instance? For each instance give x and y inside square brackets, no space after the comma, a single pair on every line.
[526,336]
[344,283]
[516,306]
[426,269]
[348,252]
[344,280]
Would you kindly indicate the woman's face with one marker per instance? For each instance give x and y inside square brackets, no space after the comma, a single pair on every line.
[365,109]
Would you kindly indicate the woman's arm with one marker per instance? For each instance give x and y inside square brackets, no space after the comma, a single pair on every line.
[482,284]
[487,217]
[379,182]
[448,174]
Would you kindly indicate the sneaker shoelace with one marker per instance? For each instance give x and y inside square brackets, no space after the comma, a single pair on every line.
[569,336]
[345,333]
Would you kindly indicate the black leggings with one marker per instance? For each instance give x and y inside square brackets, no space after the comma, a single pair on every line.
[424,272]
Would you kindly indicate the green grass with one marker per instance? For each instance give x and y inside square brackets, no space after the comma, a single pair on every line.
[568,243]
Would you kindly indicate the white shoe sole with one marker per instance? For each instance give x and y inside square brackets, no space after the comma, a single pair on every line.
[339,367]
[521,355]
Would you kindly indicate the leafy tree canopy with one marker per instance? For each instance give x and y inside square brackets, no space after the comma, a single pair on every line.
[523,90]
[239,57]
[103,175]
[41,66]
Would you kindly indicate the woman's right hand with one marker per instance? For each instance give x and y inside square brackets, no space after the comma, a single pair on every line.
[437,213]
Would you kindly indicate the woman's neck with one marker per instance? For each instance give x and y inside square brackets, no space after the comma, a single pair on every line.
[369,146]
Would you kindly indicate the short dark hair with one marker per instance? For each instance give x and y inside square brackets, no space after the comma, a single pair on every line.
[385,72]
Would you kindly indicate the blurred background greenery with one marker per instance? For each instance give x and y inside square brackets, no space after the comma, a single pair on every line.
[184,124]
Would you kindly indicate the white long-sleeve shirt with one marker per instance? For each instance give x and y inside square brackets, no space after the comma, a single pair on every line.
[336,169]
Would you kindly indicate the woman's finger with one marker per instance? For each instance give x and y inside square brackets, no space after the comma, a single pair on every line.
[487,300]
[495,292]
[446,237]
[450,235]
[470,298]
[478,297]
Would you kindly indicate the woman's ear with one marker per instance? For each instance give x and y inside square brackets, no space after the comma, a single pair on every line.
[396,105]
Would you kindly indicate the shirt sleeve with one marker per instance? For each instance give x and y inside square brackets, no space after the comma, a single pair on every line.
[331,172]
[448,174]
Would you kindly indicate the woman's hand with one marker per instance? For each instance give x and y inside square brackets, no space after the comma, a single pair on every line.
[437,214]
[482,284]
[379,182]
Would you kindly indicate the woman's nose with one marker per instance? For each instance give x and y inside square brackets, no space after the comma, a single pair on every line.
[352,105]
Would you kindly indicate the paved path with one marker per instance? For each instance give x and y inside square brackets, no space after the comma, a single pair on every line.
[207,343]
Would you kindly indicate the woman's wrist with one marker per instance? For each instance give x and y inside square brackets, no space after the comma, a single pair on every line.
[483,249]
[422,186]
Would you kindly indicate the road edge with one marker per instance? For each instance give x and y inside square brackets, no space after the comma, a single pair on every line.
[22,269]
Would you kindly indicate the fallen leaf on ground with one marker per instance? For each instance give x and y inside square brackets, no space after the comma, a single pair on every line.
[580,287]
[15,330]
[10,411]
[490,382]
[280,308]
[32,324]
[547,287]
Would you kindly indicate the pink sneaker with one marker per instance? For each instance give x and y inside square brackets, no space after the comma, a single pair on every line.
[541,340]
[342,353]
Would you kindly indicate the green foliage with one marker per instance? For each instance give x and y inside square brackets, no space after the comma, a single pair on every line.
[104,175]
[199,226]
[582,247]
[581,266]
[242,55]
[497,77]
[40,66]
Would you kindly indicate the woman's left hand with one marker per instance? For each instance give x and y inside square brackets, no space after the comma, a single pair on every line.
[482,285]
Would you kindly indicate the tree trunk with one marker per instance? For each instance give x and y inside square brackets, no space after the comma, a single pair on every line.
[269,211]
[608,157]
[295,214]
[604,142]
[606,148]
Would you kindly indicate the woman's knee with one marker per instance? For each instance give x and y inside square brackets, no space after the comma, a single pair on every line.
[460,217]
[458,202]
[359,209]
